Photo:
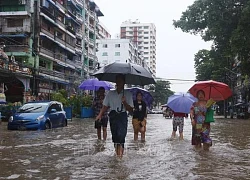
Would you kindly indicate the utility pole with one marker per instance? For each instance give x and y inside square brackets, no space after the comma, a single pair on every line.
[35,45]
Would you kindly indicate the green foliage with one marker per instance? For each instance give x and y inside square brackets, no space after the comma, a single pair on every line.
[226,23]
[76,101]
[161,91]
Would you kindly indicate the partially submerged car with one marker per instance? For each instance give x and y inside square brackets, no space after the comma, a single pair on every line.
[38,115]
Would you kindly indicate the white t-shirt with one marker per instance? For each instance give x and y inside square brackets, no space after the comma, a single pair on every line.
[114,100]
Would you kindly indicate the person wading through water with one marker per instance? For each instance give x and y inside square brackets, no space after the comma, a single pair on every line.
[119,101]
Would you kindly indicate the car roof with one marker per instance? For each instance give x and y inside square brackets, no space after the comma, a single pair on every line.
[46,102]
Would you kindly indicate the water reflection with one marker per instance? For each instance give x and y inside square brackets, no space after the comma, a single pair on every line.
[75,153]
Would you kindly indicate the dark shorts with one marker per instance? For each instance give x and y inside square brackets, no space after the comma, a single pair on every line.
[102,123]
[118,127]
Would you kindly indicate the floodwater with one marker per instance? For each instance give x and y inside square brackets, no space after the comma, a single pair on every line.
[74,153]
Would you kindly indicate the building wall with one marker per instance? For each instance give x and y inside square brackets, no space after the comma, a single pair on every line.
[144,36]
[117,50]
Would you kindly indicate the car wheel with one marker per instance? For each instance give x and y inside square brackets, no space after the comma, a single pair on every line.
[47,125]
[64,123]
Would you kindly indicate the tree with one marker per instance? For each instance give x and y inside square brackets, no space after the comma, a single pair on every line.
[160,92]
[215,20]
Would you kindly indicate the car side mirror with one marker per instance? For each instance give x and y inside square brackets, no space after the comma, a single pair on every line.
[52,110]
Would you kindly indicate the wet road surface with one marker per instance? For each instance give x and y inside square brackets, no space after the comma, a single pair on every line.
[73,152]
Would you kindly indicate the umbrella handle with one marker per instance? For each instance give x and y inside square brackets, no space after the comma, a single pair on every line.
[121,109]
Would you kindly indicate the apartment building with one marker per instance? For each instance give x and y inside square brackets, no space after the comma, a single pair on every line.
[103,32]
[144,36]
[51,44]
[118,50]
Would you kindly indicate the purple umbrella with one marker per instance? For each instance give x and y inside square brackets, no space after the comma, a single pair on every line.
[95,84]
[146,96]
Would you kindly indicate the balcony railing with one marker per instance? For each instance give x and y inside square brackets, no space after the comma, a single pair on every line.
[15,67]
[91,28]
[79,33]
[47,52]
[60,23]
[25,28]
[92,42]
[53,73]
[17,48]
[79,2]
[79,17]
[72,47]
[61,6]
[60,40]
[60,57]
[45,31]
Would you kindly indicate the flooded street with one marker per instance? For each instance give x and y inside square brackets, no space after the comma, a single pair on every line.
[74,153]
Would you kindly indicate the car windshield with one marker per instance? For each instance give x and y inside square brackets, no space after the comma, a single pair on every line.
[32,108]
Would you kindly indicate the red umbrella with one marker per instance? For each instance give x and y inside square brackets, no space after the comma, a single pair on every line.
[216,90]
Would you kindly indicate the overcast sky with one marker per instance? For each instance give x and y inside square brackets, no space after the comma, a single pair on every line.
[175,49]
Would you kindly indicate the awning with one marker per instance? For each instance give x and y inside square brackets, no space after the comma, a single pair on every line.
[13,35]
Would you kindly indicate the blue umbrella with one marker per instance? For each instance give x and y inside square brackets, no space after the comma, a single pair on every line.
[95,84]
[146,96]
[181,102]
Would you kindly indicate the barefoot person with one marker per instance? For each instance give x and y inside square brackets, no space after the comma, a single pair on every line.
[139,117]
[97,105]
[178,121]
[119,101]
[200,128]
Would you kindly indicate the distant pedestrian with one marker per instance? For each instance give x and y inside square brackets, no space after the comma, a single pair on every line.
[120,101]
[139,117]
[103,122]
[200,128]
[178,121]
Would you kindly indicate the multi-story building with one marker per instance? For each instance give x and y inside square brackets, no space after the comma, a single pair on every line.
[117,50]
[51,44]
[103,32]
[144,36]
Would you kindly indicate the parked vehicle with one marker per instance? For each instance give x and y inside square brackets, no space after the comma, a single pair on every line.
[38,115]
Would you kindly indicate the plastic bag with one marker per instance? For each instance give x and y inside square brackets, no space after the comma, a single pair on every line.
[209,115]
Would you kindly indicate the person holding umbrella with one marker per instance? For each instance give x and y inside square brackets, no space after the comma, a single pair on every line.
[200,128]
[119,101]
[139,117]
[178,121]
[97,105]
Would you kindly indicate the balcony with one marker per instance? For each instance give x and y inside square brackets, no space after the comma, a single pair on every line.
[92,14]
[79,33]
[60,23]
[60,6]
[17,48]
[91,28]
[15,13]
[61,57]
[47,52]
[60,40]
[52,73]
[80,3]
[92,42]
[45,31]
[71,46]
[18,30]
[79,18]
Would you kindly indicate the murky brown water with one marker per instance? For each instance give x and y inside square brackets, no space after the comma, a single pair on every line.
[74,153]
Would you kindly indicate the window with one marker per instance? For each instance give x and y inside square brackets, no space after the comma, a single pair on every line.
[146,27]
[145,53]
[117,45]
[104,54]
[145,42]
[15,23]
[145,37]
[146,32]
[105,46]
[145,47]
[117,54]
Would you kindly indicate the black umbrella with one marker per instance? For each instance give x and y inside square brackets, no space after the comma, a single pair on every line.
[134,74]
